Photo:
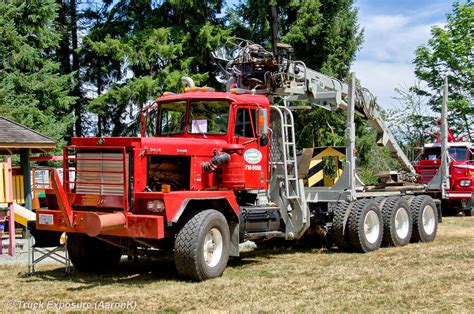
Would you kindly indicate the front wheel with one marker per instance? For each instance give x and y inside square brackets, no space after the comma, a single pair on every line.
[201,248]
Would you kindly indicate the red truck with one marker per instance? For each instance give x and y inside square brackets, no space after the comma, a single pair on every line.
[458,197]
[213,169]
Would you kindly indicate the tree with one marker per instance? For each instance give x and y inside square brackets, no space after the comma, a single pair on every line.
[325,35]
[450,53]
[71,22]
[154,44]
[33,92]
[412,121]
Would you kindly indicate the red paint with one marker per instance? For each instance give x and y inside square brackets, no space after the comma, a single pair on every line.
[103,213]
[461,165]
[61,197]
[99,223]
[137,226]
[46,158]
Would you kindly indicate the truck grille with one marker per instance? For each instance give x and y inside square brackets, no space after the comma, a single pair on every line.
[100,173]
[426,173]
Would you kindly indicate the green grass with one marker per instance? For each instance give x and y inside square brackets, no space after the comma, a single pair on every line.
[422,277]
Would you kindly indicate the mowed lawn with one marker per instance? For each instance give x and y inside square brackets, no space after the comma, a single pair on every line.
[429,277]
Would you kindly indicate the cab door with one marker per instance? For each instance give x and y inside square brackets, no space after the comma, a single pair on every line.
[255,153]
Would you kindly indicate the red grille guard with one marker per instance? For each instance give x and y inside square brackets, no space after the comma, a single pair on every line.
[121,223]
[93,222]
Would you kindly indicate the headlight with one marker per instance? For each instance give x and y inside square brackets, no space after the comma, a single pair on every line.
[465,183]
[155,206]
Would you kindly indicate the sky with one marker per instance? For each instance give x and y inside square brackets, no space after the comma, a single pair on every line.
[393,29]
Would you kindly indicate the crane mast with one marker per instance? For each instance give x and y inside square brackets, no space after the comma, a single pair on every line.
[248,67]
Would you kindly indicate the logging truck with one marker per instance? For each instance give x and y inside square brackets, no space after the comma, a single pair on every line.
[210,170]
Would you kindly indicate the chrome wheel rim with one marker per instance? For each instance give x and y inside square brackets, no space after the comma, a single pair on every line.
[213,247]
[402,223]
[372,227]
[428,219]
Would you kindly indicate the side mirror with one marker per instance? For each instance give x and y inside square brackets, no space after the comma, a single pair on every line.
[263,122]
[263,140]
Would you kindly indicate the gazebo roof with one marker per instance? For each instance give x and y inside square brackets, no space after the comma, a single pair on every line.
[14,136]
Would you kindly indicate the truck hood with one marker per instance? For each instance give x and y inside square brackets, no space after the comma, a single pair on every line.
[159,145]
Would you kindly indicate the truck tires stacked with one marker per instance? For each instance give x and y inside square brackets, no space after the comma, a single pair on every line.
[367,224]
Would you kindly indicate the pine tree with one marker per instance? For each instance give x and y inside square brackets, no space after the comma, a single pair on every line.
[324,34]
[154,44]
[33,92]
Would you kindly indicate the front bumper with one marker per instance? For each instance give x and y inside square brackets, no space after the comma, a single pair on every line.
[133,226]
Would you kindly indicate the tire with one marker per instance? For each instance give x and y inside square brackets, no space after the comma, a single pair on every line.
[340,234]
[205,231]
[425,219]
[89,254]
[409,199]
[468,212]
[380,201]
[365,226]
[397,222]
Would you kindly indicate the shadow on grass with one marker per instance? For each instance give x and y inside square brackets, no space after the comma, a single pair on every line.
[147,270]
[139,272]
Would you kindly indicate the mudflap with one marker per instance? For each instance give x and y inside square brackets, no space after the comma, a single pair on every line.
[234,239]
[439,210]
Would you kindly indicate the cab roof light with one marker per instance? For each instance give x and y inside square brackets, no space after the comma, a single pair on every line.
[200,89]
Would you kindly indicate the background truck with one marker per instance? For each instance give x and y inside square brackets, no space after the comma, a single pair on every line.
[457,196]
[213,169]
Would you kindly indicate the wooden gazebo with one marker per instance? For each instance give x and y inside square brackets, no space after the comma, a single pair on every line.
[18,139]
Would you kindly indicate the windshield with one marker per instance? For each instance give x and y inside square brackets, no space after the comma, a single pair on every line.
[172,118]
[432,153]
[455,153]
[458,153]
[208,117]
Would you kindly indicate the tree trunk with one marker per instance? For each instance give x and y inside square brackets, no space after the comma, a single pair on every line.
[63,51]
[75,68]
[99,91]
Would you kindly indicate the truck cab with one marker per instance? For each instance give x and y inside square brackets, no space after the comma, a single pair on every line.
[233,123]
[461,173]
[201,156]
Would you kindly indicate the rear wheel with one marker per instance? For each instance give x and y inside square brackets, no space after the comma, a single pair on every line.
[365,226]
[397,222]
[89,254]
[425,219]
[339,231]
[201,248]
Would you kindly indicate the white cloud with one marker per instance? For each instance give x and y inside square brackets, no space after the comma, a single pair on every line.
[393,38]
[381,78]
[386,60]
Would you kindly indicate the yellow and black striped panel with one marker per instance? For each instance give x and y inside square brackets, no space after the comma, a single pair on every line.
[316,173]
